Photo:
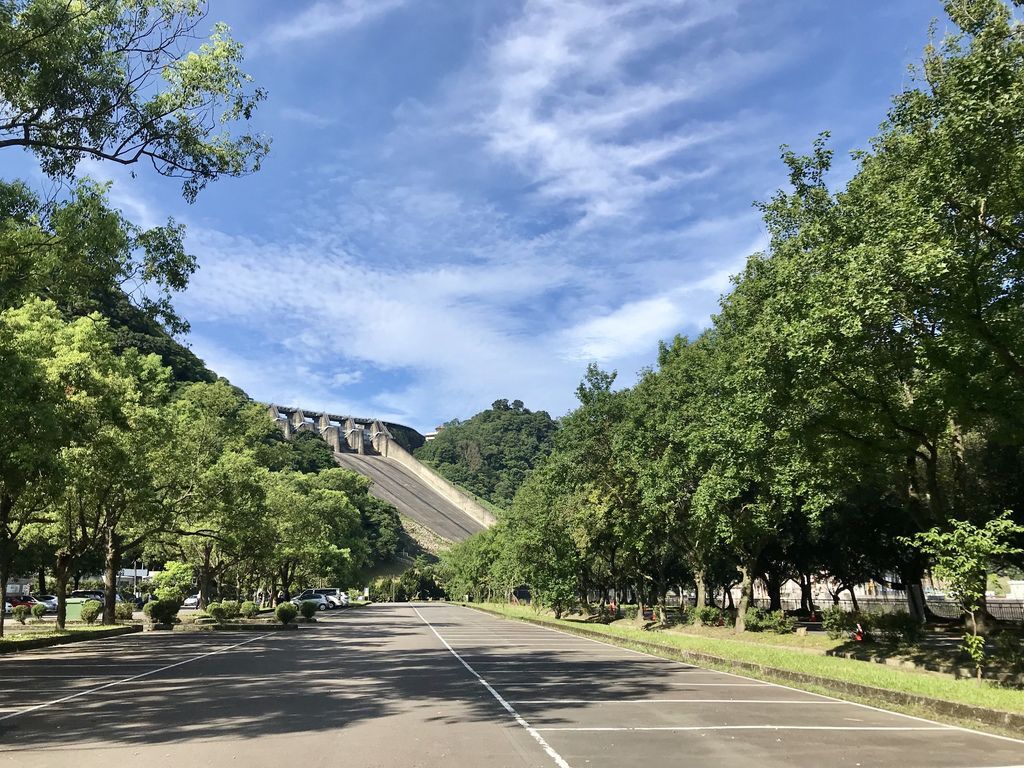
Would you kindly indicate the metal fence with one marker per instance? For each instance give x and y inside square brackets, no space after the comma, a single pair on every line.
[1003,609]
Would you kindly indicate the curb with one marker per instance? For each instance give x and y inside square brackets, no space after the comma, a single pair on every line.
[46,642]
[1013,721]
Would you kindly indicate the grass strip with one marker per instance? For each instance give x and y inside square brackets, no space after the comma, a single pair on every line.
[962,702]
[24,641]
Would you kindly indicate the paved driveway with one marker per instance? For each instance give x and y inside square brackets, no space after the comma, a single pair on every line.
[434,685]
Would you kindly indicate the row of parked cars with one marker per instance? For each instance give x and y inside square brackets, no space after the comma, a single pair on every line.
[50,601]
[325,598]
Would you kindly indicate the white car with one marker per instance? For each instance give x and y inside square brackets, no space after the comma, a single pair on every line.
[310,596]
[337,598]
[7,607]
[192,601]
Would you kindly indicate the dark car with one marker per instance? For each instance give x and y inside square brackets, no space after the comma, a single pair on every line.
[88,594]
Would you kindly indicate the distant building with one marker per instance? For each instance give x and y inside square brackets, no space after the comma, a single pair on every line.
[431,435]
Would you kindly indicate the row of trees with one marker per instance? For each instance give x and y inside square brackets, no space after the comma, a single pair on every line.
[855,408]
[117,442]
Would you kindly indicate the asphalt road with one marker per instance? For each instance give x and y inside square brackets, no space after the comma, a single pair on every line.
[433,685]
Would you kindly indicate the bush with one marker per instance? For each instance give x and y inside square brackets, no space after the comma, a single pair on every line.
[249,609]
[898,627]
[628,611]
[762,620]
[161,611]
[21,612]
[124,611]
[231,608]
[218,612]
[286,612]
[38,610]
[711,615]
[839,623]
[307,609]
[91,611]
[1009,651]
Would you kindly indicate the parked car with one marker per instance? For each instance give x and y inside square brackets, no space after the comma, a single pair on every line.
[94,595]
[50,601]
[310,596]
[16,600]
[338,598]
[192,601]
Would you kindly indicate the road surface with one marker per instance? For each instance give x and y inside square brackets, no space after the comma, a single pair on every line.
[433,685]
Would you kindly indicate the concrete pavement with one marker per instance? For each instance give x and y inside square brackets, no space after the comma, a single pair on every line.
[434,685]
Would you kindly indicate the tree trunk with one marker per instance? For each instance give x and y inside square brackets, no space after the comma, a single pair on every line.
[746,595]
[700,583]
[985,623]
[773,585]
[111,564]
[205,577]
[806,595]
[42,580]
[853,598]
[3,595]
[61,575]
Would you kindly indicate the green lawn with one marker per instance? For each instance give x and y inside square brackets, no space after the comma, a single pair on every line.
[764,650]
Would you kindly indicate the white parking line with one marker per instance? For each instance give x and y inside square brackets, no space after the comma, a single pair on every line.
[751,728]
[79,694]
[674,701]
[559,760]
[935,725]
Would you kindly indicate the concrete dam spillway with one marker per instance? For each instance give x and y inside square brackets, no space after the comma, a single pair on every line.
[382,452]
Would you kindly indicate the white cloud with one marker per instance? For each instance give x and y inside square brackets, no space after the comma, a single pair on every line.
[305,117]
[324,18]
[566,96]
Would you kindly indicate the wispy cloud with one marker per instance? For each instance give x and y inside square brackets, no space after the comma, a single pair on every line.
[572,98]
[305,117]
[325,17]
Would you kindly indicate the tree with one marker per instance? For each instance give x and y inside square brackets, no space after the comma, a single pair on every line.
[114,80]
[963,555]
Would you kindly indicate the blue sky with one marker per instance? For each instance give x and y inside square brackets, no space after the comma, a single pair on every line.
[472,199]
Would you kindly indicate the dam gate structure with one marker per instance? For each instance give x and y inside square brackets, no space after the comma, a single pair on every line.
[382,451]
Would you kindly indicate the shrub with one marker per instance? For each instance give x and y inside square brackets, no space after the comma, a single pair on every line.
[21,612]
[170,594]
[249,609]
[711,615]
[218,612]
[124,611]
[161,611]
[38,610]
[286,612]
[896,627]
[1009,651]
[231,608]
[761,620]
[91,611]
[308,609]
[628,611]
[839,623]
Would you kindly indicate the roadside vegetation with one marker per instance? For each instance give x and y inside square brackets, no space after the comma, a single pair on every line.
[852,415]
[118,444]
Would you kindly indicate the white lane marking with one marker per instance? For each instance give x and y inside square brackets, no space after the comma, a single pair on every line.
[798,690]
[750,728]
[79,694]
[559,760]
[673,701]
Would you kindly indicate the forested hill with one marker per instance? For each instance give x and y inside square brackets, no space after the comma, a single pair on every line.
[491,453]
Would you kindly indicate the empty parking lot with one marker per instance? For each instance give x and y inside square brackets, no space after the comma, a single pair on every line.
[432,685]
